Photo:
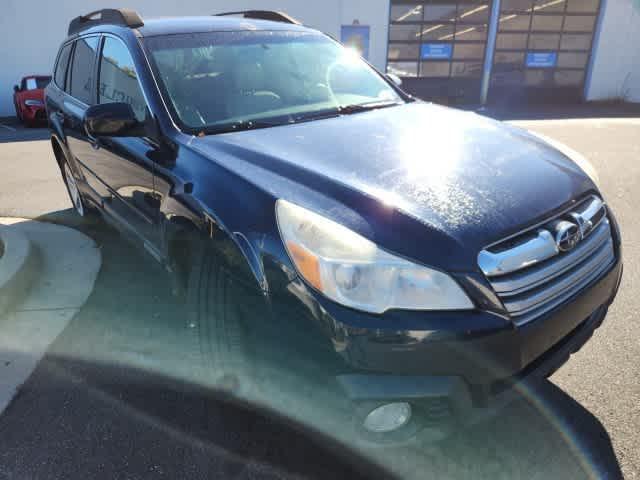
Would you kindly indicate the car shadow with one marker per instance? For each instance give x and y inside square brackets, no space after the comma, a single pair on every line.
[81,419]
[544,433]
[123,389]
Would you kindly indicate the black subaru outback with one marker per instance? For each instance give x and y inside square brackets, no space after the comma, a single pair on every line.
[419,260]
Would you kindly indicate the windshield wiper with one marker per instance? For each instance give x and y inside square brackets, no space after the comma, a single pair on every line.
[365,107]
[343,110]
[326,113]
[240,126]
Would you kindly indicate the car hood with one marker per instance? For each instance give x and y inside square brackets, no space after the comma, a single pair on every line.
[471,179]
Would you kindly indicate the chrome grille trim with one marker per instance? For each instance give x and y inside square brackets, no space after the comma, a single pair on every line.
[515,284]
[535,250]
[522,320]
[530,279]
[529,301]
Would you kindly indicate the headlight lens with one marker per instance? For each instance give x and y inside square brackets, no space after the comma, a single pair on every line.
[577,157]
[353,271]
[34,103]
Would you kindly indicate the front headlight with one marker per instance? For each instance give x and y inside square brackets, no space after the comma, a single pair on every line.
[577,157]
[34,103]
[353,271]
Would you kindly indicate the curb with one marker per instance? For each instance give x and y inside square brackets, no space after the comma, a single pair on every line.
[18,267]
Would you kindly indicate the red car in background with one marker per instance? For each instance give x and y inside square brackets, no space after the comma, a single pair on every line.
[28,98]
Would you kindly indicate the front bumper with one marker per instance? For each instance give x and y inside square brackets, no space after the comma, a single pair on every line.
[34,114]
[451,363]
[471,370]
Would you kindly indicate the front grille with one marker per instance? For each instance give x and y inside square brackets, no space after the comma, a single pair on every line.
[536,271]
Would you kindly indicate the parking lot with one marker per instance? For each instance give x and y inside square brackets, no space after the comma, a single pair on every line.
[584,422]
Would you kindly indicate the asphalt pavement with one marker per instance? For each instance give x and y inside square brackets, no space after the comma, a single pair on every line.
[603,377]
[117,397]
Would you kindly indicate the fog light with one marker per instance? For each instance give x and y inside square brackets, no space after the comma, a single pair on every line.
[388,418]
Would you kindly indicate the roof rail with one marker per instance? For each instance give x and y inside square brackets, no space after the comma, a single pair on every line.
[111,16]
[263,15]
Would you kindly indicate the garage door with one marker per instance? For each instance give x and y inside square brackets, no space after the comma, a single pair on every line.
[438,47]
[542,50]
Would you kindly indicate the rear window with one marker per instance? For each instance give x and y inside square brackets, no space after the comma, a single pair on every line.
[82,69]
[61,67]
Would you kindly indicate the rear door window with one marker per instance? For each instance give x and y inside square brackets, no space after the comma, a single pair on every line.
[81,82]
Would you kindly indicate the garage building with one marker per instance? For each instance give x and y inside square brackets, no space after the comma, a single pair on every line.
[457,51]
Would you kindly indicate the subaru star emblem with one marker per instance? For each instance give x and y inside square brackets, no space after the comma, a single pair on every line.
[567,235]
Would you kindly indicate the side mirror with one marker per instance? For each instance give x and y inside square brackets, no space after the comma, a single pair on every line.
[113,120]
[397,81]
[16,88]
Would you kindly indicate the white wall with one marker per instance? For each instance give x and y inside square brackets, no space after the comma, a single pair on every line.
[31,31]
[616,66]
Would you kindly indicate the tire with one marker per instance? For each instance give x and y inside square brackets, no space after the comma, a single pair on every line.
[220,312]
[18,112]
[246,354]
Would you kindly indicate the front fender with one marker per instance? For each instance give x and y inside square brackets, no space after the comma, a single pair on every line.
[237,217]
[250,257]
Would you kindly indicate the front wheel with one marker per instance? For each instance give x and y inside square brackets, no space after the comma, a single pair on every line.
[221,310]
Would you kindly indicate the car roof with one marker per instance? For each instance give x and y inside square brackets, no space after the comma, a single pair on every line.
[177,25]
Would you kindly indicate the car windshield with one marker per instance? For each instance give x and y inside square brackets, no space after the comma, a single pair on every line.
[216,81]
[37,83]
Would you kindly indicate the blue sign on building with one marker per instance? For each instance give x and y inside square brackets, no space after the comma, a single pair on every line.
[356,37]
[436,51]
[542,59]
